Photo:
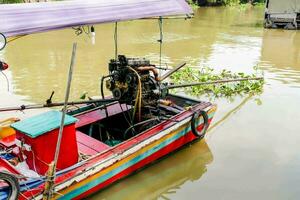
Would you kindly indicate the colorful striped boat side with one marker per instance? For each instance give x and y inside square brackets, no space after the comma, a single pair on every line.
[172,140]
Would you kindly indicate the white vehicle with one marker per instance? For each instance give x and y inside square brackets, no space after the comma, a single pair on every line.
[282,14]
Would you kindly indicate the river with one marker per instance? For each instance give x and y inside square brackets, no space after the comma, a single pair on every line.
[252,150]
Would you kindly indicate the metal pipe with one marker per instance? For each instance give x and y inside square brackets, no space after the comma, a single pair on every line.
[172,71]
[39,106]
[187,16]
[212,82]
[150,68]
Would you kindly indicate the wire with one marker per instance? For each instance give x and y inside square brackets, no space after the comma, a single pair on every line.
[101,85]
[15,38]
[46,164]
[78,30]
[138,100]
[82,29]
[160,23]
[128,112]
[24,195]
[138,124]
[30,190]
[33,156]
[7,81]
[124,115]
[86,31]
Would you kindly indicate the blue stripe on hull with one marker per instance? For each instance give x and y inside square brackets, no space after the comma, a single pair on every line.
[130,163]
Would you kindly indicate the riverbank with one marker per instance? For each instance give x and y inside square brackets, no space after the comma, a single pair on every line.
[211,3]
[21,1]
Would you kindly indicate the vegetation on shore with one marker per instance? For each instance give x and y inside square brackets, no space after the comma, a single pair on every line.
[196,3]
[11,1]
[20,1]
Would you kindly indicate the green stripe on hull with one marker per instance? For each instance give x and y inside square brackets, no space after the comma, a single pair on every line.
[101,179]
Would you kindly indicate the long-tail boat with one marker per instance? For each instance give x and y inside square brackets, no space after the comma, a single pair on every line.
[102,140]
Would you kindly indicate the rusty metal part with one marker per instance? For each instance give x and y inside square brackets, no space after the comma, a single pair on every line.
[150,68]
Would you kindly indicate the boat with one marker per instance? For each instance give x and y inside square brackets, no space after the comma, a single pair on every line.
[84,148]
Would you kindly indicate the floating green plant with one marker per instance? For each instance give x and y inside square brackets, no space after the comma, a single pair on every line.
[206,74]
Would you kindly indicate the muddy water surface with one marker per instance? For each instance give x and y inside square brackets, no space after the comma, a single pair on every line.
[252,151]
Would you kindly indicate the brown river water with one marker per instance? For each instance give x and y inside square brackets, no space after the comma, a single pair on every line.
[252,150]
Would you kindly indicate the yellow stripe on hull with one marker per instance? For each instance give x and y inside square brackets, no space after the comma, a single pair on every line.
[127,159]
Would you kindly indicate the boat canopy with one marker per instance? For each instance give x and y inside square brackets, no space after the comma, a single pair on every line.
[28,18]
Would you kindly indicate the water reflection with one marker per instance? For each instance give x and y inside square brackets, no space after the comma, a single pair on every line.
[280,55]
[39,62]
[39,65]
[165,178]
[253,139]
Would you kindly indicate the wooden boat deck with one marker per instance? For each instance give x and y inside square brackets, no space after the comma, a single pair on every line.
[88,145]
[96,115]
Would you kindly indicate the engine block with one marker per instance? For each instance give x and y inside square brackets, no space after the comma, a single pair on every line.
[125,76]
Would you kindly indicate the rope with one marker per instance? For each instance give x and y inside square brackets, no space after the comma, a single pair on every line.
[23,196]
[30,190]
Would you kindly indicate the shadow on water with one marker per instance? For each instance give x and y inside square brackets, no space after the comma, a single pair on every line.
[165,177]
[230,112]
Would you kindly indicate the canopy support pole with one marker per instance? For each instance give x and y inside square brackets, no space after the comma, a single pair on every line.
[160,22]
[116,40]
[49,189]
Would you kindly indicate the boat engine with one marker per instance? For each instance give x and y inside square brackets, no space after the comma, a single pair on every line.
[127,76]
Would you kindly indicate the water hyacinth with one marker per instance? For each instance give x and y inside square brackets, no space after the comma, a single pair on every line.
[206,74]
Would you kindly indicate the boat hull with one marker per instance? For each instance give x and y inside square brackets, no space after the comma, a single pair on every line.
[150,153]
[122,160]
